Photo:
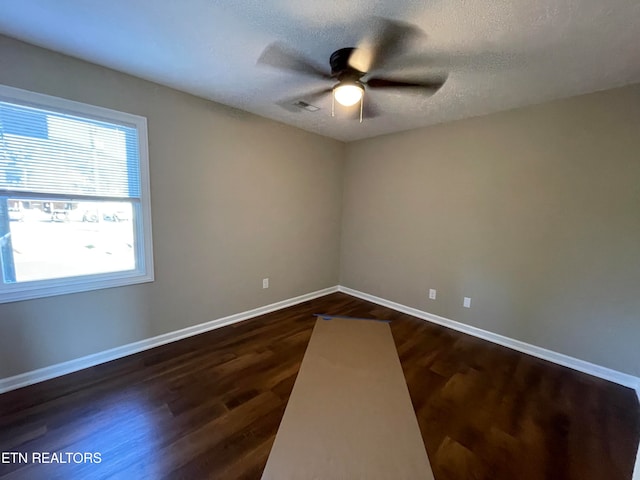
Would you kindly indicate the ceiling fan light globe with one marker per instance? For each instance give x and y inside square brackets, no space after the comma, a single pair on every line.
[348,94]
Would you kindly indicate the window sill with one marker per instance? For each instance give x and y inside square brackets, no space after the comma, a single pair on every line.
[51,288]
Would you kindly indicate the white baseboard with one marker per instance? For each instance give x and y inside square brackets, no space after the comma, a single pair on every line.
[46,373]
[555,357]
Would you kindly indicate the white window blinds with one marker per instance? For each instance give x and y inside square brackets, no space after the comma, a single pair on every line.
[47,152]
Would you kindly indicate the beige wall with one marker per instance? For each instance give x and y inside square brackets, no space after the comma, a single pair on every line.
[534,213]
[234,198]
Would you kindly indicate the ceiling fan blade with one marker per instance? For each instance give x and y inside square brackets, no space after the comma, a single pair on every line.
[392,39]
[463,60]
[432,85]
[278,56]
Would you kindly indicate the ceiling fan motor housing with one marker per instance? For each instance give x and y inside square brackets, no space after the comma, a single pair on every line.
[340,66]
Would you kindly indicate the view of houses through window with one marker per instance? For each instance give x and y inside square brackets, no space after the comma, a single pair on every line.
[56,239]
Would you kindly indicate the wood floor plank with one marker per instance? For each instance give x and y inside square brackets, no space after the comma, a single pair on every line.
[209,406]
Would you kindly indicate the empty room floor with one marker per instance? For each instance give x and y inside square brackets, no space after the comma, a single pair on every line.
[209,406]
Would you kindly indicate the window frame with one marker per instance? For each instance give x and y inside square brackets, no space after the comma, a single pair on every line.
[144,271]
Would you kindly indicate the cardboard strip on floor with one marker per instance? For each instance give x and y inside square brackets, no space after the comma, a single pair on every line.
[349,415]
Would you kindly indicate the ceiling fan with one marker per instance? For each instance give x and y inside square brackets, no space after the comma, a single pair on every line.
[351,67]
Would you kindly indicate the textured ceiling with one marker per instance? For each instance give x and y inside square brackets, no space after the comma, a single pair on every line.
[498,54]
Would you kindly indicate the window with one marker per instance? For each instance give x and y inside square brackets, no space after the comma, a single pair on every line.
[74,197]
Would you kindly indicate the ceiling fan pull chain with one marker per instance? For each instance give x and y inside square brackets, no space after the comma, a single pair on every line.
[361,106]
[333,105]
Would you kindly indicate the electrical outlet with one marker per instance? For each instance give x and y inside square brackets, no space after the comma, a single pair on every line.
[467,302]
[432,294]
[265,283]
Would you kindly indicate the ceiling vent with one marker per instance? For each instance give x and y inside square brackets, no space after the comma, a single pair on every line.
[306,106]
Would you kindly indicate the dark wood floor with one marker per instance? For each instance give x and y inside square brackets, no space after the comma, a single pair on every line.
[209,407]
